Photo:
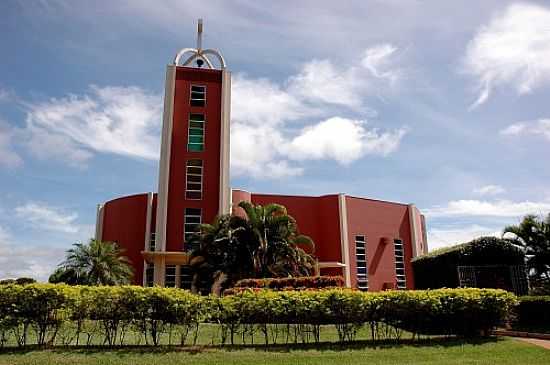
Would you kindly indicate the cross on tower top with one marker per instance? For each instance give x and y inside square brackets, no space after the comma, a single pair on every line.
[198,54]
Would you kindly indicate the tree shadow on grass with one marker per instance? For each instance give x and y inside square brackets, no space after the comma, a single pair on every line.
[281,348]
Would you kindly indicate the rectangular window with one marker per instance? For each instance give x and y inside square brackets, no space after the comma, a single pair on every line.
[196,132]
[192,220]
[170,276]
[152,242]
[186,277]
[198,95]
[399,264]
[193,177]
[149,274]
[361,262]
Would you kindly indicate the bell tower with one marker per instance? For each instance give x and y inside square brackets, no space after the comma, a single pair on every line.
[193,182]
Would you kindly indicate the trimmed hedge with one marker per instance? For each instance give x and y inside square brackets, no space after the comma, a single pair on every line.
[438,269]
[533,314]
[304,282]
[56,313]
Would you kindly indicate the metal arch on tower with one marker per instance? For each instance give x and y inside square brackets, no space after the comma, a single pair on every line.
[199,53]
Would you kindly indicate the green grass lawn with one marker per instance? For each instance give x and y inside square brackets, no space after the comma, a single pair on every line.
[491,351]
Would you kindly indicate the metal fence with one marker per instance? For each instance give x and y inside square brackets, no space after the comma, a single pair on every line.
[508,277]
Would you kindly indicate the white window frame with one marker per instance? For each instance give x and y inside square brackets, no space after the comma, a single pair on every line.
[361,250]
[191,95]
[187,173]
[173,276]
[186,224]
[399,253]
[189,132]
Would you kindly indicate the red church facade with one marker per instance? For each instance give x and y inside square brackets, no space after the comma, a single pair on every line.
[369,242]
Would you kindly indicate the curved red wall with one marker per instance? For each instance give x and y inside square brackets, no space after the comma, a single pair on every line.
[124,222]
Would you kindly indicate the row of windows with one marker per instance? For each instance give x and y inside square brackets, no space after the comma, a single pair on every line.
[192,220]
[179,276]
[361,259]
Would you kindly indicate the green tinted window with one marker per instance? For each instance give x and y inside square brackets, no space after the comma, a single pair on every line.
[195,142]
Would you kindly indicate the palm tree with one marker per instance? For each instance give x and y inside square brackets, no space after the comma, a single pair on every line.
[95,263]
[533,234]
[276,242]
[218,256]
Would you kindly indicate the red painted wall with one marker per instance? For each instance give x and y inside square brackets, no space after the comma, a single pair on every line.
[317,217]
[379,220]
[124,222]
[177,203]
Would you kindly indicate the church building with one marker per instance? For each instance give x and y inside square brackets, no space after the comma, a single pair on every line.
[369,242]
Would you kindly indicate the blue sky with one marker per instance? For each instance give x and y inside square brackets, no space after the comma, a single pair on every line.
[441,104]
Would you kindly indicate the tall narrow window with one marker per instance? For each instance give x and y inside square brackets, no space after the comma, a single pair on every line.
[186,277]
[170,276]
[149,274]
[361,262]
[400,264]
[192,220]
[193,180]
[198,95]
[152,241]
[196,133]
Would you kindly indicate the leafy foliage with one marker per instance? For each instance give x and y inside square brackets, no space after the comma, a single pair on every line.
[266,243]
[533,234]
[95,263]
[58,313]
[533,314]
[298,283]
[438,269]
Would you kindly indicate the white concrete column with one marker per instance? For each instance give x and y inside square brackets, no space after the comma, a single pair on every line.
[344,241]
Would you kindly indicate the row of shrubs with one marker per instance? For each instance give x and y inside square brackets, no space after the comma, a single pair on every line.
[296,283]
[54,313]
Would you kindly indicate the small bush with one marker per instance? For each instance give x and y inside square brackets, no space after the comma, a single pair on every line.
[533,314]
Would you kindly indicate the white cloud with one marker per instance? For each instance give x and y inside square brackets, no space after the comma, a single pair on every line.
[537,127]
[126,120]
[263,143]
[42,216]
[498,208]
[377,60]
[513,49]
[26,260]
[341,139]
[119,120]
[489,190]
[8,157]
[254,152]
[448,236]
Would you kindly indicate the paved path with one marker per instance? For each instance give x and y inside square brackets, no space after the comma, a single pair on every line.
[535,341]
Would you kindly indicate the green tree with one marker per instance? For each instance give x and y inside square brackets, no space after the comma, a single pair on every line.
[277,247]
[218,256]
[533,234]
[264,243]
[94,263]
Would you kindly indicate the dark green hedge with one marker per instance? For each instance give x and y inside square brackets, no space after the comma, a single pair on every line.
[438,269]
[533,314]
[55,313]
